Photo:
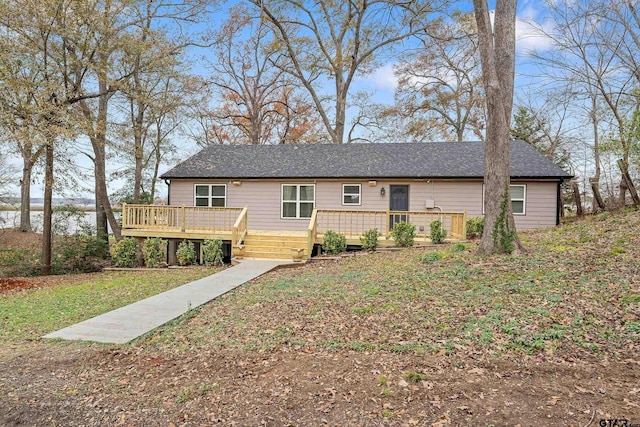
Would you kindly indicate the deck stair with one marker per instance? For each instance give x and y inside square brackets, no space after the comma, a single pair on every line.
[271,244]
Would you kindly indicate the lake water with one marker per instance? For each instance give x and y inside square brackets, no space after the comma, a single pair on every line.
[61,222]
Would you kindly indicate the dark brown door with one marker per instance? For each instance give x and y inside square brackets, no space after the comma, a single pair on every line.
[399,201]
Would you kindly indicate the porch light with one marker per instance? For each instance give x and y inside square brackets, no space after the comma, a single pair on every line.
[382,191]
[237,183]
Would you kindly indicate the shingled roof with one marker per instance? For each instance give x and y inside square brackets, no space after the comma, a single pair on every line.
[444,160]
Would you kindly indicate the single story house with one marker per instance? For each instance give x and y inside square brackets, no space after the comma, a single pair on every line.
[277,200]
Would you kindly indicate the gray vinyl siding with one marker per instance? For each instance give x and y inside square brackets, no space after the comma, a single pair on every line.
[263,198]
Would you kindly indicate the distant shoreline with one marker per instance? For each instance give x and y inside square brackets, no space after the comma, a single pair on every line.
[40,208]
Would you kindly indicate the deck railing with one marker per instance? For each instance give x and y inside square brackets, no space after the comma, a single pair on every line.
[240,227]
[353,223]
[179,218]
[312,232]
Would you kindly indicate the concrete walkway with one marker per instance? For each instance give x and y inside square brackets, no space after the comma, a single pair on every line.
[124,324]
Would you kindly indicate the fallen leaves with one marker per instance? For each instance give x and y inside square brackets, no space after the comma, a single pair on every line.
[553,400]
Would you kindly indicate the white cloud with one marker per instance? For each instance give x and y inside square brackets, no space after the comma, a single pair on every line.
[384,78]
[531,36]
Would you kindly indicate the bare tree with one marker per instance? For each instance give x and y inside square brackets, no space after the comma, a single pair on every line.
[259,102]
[497,53]
[589,54]
[337,41]
[32,27]
[440,85]
[155,112]
[544,122]
[7,177]
[21,79]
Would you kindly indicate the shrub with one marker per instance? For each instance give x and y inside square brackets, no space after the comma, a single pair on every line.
[212,252]
[369,239]
[475,227]
[18,262]
[334,243]
[186,253]
[458,247]
[78,254]
[154,251]
[403,234]
[438,234]
[431,256]
[124,253]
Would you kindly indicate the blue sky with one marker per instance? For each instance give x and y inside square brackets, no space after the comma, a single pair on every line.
[382,82]
[530,27]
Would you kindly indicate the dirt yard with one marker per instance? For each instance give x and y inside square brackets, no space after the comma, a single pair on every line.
[69,385]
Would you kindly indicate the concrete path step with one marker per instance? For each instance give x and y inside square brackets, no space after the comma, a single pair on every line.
[126,323]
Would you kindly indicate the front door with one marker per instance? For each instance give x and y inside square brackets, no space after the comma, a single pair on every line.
[399,201]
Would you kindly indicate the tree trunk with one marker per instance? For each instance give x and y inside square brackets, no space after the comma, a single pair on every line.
[98,140]
[576,198]
[102,229]
[25,197]
[497,54]
[624,169]
[594,181]
[46,224]
[622,194]
[137,180]
[598,203]
[102,193]
[156,163]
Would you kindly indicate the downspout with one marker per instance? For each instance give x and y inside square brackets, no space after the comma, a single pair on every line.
[168,182]
[558,202]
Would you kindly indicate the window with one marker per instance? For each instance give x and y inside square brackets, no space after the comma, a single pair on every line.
[211,195]
[351,194]
[518,196]
[298,200]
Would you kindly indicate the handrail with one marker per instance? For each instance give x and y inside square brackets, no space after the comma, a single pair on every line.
[312,232]
[178,218]
[239,229]
[356,222]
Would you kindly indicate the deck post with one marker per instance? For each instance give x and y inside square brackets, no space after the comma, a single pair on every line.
[124,215]
[182,226]
[387,223]
[464,226]
[312,232]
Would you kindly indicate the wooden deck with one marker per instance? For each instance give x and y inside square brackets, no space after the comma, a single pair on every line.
[232,225]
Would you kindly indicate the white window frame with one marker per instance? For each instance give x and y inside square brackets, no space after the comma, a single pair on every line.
[297,201]
[523,200]
[359,194]
[210,197]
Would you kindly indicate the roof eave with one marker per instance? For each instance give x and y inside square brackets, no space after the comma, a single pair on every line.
[545,177]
